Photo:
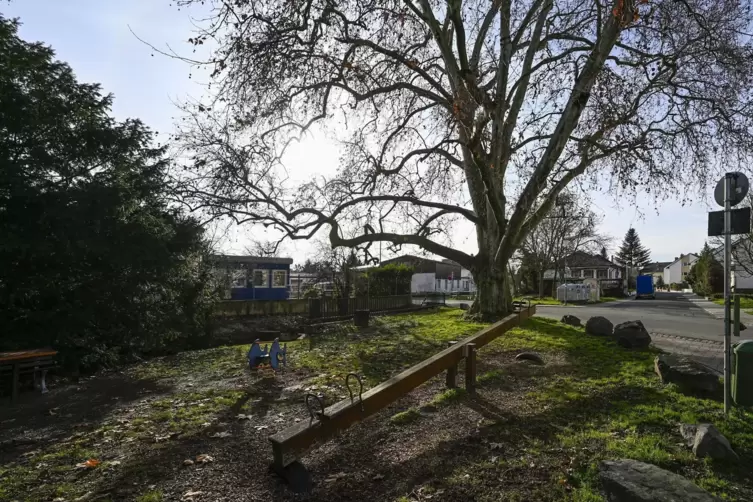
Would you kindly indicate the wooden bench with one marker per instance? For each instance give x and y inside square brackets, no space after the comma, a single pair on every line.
[36,362]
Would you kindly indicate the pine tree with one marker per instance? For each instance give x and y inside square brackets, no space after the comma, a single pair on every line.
[603,252]
[632,251]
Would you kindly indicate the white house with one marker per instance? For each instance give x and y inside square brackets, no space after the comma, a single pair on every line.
[742,251]
[677,271]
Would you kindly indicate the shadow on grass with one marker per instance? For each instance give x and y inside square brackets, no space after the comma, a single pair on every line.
[37,417]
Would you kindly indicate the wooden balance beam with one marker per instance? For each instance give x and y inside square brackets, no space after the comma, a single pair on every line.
[290,442]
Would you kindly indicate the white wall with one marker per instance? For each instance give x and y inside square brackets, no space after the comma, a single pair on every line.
[421,283]
[673,273]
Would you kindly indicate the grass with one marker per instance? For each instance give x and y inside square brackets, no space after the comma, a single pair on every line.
[611,405]
[746,304]
[540,301]
[592,401]
[151,496]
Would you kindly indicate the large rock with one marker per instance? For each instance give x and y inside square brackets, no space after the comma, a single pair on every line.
[599,326]
[707,441]
[571,320]
[691,376]
[632,481]
[530,356]
[632,335]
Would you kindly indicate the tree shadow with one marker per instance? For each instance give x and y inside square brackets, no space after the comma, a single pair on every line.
[43,418]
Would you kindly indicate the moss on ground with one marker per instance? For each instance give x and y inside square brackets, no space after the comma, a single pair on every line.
[608,402]
[594,400]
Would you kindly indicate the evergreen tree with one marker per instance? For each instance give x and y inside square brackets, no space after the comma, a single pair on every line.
[96,261]
[604,252]
[632,251]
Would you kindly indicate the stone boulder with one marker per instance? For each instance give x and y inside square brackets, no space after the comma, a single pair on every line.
[632,481]
[707,441]
[571,320]
[465,306]
[692,377]
[530,356]
[632,335]
[599,326]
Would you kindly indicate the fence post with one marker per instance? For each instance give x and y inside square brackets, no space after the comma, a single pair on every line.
[315,308]
[452,372]
[470,368]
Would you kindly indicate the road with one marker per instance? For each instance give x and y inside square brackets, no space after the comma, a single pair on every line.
[669,314]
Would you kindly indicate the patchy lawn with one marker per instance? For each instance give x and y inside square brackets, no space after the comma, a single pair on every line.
[540,301]
[195,426]
[746,304]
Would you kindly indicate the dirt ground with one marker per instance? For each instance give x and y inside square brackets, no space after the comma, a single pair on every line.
[195,427]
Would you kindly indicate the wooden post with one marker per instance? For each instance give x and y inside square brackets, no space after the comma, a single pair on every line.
[16,383]
[470,368]
[452,371]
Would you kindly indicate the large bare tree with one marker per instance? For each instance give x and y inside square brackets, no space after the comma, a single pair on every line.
[477,110]
[571,226]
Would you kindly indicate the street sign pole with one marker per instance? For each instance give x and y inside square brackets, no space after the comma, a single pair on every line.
[727,297]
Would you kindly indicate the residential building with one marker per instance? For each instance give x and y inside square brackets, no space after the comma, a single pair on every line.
[742,252]
[253,277]
[431,275]
[677,271]
[655,269]
[582,265]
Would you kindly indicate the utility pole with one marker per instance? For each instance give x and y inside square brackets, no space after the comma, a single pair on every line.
[727,296]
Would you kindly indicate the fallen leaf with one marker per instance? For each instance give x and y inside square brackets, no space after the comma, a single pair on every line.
[190,494]
[496,446]
[378,477]
[89,464]
[243,417]
[204,459]
[114,463]
[220,435]
[188,462]
[335,477]
[261,427]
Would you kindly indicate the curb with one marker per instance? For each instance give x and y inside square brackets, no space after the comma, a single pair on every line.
[689,338]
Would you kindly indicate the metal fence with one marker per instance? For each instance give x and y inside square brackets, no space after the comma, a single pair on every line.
[314,307]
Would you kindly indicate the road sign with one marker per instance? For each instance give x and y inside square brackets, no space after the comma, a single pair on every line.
[738,189]
[739,222]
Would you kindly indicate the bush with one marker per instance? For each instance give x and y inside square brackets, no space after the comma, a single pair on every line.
[96,261]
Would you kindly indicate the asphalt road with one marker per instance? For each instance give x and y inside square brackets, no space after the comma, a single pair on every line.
[668,314]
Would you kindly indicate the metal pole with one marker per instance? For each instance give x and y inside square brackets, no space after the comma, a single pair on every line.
[727,296]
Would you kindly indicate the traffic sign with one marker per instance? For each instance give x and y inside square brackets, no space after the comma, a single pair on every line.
[738,189]
[739,222]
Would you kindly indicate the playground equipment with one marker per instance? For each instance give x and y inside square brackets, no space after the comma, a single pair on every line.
[327,421]
[276,357]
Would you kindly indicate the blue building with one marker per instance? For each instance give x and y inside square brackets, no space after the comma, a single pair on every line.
[254,277]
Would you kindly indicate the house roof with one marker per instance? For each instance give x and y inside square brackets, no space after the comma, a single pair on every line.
[657,266]
[226,258]
[581,259]
[682,256]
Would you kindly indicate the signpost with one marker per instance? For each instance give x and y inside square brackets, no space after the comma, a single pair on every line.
[729,191]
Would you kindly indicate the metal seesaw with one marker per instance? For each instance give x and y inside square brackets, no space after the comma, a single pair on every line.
[326,422]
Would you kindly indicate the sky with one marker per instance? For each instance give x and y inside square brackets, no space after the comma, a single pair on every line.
[96,38]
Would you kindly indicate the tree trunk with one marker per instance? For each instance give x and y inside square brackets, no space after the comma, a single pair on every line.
[492,297]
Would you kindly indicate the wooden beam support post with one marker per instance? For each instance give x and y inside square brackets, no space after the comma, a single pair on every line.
[470,368]
[452,371]
[16,381]
[288,443]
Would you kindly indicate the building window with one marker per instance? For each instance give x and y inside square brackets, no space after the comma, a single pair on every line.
[445,284]
[602,273]
[279,278]
[261,278]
